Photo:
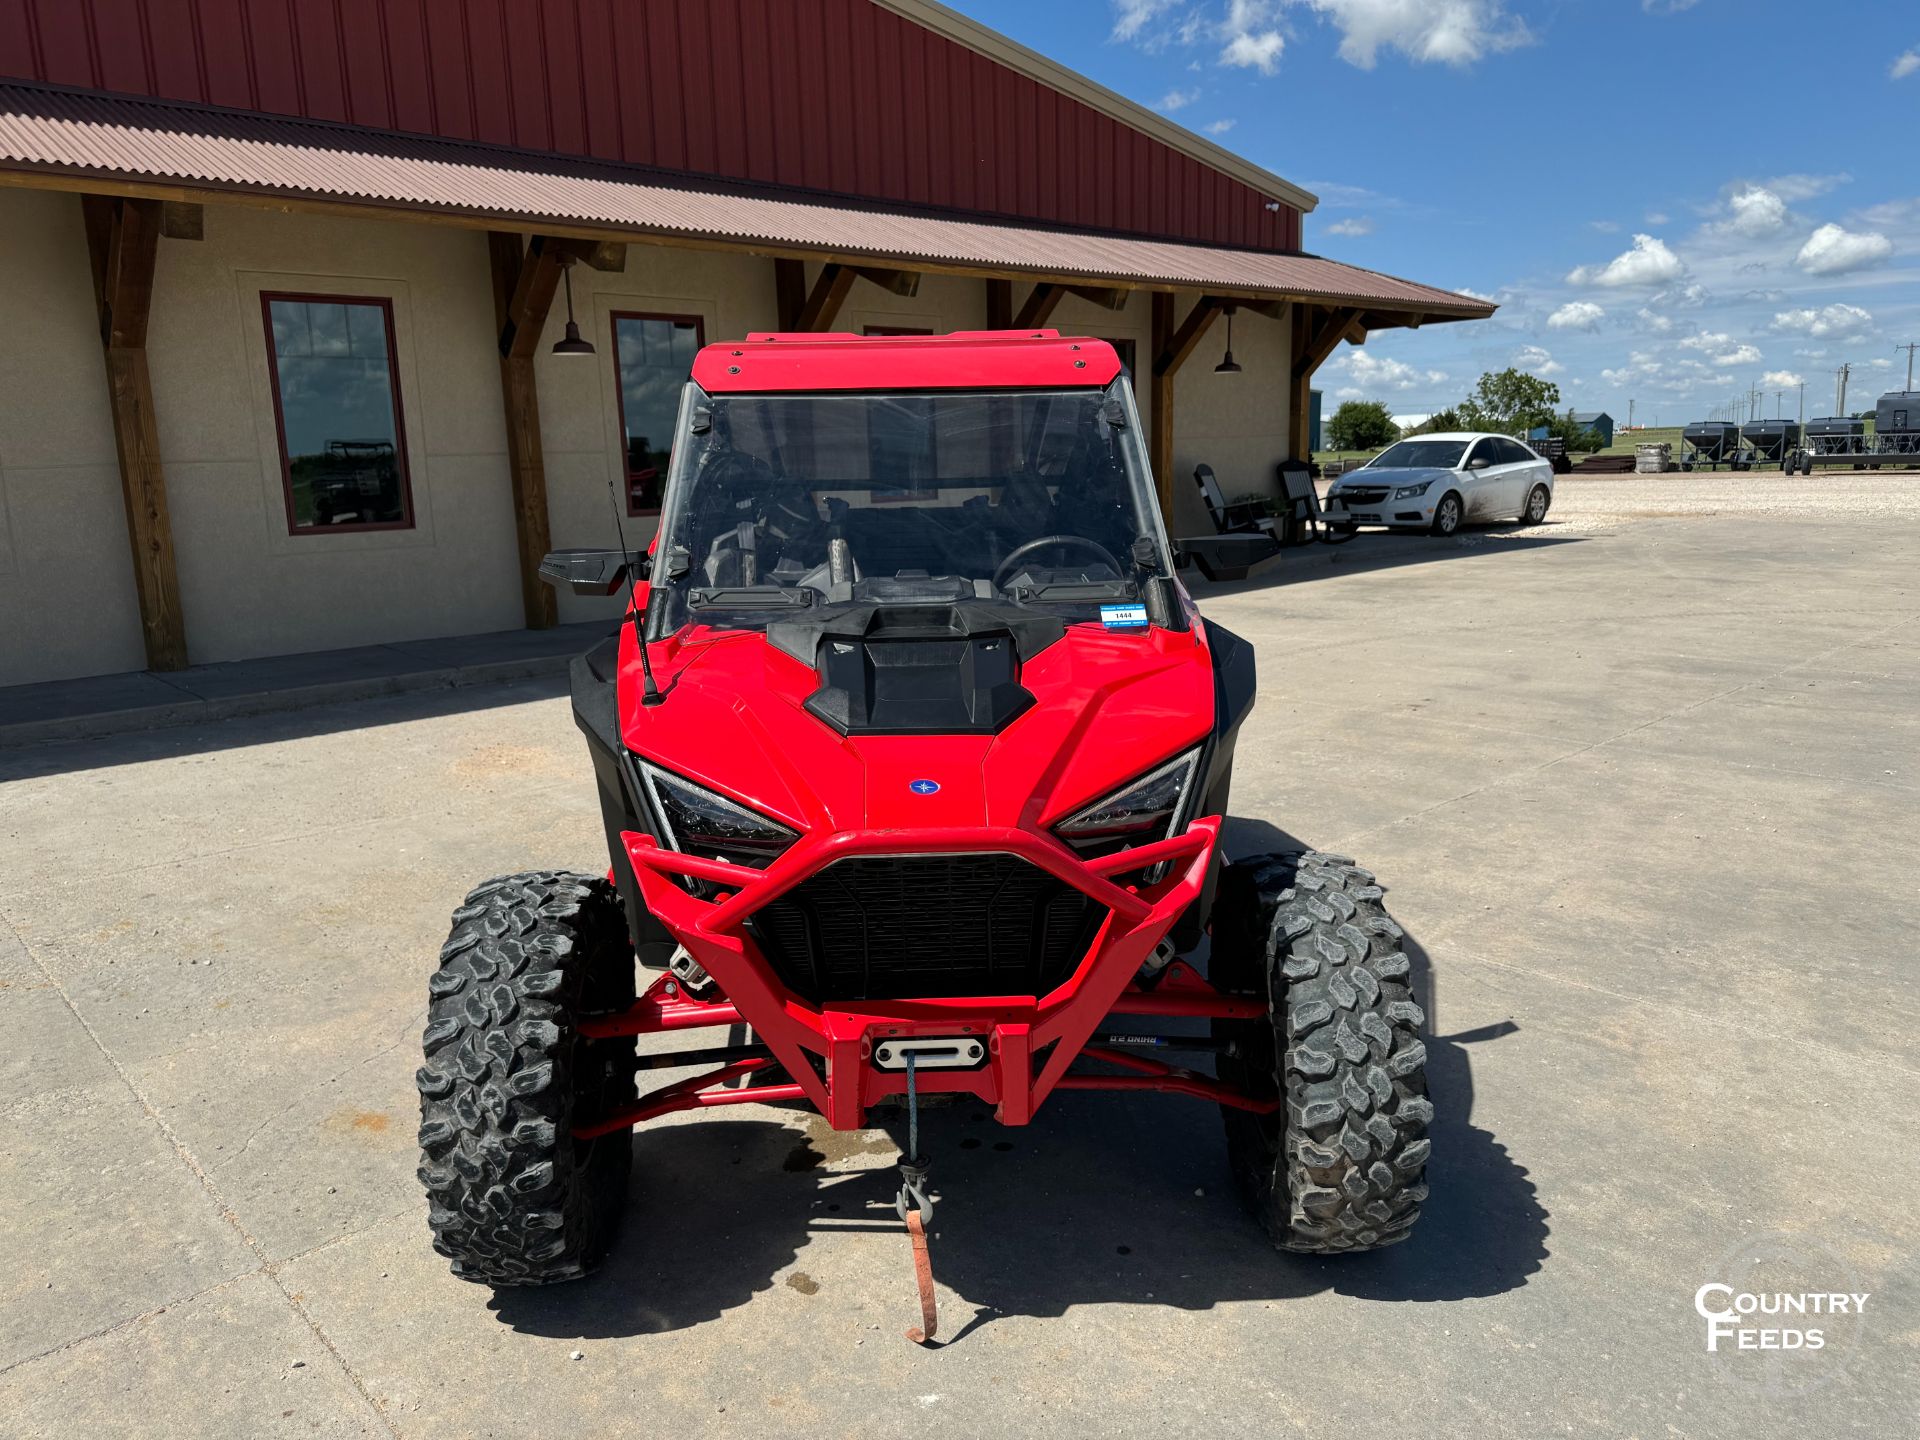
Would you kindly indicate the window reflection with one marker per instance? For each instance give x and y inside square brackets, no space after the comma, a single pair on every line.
[654,355]
[338,411]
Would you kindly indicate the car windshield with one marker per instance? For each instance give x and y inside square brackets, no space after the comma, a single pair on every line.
[1420,455]
[780,502]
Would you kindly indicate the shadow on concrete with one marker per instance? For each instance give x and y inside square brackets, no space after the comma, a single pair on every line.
[198,737]
[1102,1200]
[1375,550]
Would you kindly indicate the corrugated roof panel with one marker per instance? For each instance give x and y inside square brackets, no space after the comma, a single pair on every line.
[162,141]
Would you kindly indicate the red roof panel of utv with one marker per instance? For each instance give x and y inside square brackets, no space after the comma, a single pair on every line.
[965,360]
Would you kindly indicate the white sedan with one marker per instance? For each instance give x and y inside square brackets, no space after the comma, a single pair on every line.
[1441,482]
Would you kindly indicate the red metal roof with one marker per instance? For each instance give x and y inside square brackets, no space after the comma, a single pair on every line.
[140,140]
[966,360]
[841,96]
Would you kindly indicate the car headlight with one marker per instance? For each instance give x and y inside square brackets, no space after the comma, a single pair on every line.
[1412,492]
[1137,813]
[699,822]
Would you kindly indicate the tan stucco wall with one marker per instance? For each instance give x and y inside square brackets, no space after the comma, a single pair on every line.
[249,588]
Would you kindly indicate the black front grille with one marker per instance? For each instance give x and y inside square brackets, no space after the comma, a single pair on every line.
[1371,495]
[913,927]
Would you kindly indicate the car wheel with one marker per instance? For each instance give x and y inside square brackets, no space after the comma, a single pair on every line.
[1538,501]
[1447,515]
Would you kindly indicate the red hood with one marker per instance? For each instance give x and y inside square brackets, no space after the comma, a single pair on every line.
[1109,705]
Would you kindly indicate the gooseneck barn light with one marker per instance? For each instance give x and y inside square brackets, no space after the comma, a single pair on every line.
[572,344]
[1228,366]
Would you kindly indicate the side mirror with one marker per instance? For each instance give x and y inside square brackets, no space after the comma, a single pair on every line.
[1479,462]
[587,572]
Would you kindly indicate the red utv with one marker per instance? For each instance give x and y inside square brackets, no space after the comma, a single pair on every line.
[913,755]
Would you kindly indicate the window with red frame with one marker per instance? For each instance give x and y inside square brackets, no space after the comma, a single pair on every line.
[897,446]
[652,356]
[336,401]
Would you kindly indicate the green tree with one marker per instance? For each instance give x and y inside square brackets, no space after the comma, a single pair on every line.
[1510,402]
[1361,425]
[1581,440]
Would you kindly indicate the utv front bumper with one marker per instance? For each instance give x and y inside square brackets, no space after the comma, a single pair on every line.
[841,1044]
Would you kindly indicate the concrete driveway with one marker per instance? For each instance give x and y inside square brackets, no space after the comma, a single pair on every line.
[1643,789]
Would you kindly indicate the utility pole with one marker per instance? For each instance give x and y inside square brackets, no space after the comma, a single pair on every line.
[1803,402]
[1842,375]
[1909,349]
[1630,414]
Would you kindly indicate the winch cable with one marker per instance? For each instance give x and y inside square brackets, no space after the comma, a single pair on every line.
[915,1209]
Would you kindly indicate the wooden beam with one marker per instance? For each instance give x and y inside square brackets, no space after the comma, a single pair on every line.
[608,256]
[904,283]
[999,304]
[830,290]
[183,220]
[523,286]
[1040,306]
[123,239]
[1272,309]
[789,292]
[1322,337]
[1316,335]
[1105,297]
[1170,353]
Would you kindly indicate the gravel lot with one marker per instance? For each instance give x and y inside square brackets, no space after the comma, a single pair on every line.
[1642,783]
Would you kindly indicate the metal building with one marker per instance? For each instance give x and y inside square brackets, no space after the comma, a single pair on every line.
[278,364]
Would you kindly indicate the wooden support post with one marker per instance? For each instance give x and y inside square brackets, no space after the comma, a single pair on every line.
[904,283]
[1317,334]
[523,286]
[1171,347]
[123,238]
[999,304]
[1040,306]
[830,290]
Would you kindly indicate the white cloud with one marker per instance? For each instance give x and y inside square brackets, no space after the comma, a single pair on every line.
[1905,65]
[1464,290]
[1605,227]
[1834,250]
[1657,323]
[1447,32]
[1370,373]
[1781,380]
[1667,7]
[1178,100]
[1756,211]
[1682,297]
[1706,340]
[1657,217]
[1220,127]
[1835,321]
[1359,225]
[1255,51]
[1539,362]
[1805,187]
[1649,262]
[1577,315]
[1739,355]
[1131,16]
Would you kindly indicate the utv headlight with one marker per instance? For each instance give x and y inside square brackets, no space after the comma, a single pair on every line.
[1138,813]
[699,822]
[1413,492]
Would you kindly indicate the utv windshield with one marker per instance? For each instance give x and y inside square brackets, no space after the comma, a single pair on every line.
[1420,455]
[785,501]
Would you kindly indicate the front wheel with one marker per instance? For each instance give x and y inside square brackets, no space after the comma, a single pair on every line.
[1537,503]
[1340,1165]
[512,1197]
[1446,518]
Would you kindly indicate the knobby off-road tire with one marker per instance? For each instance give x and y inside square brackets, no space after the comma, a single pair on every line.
[1341,1166]
[513,1198]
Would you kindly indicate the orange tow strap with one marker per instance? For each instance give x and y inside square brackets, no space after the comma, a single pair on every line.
[923,1273]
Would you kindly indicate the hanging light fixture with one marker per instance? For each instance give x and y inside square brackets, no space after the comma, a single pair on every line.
[572,344]
[1227,366]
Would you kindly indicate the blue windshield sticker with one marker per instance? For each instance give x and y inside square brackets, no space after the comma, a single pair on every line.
[1124,617]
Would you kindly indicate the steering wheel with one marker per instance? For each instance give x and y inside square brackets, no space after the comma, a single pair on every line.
[1021,552]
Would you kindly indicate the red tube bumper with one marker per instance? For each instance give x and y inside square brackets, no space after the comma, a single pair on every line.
[1014,1027]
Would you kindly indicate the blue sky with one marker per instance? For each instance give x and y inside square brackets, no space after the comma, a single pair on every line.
[1653,232]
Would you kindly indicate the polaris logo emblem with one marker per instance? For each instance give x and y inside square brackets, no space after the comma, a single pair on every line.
[924,787]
